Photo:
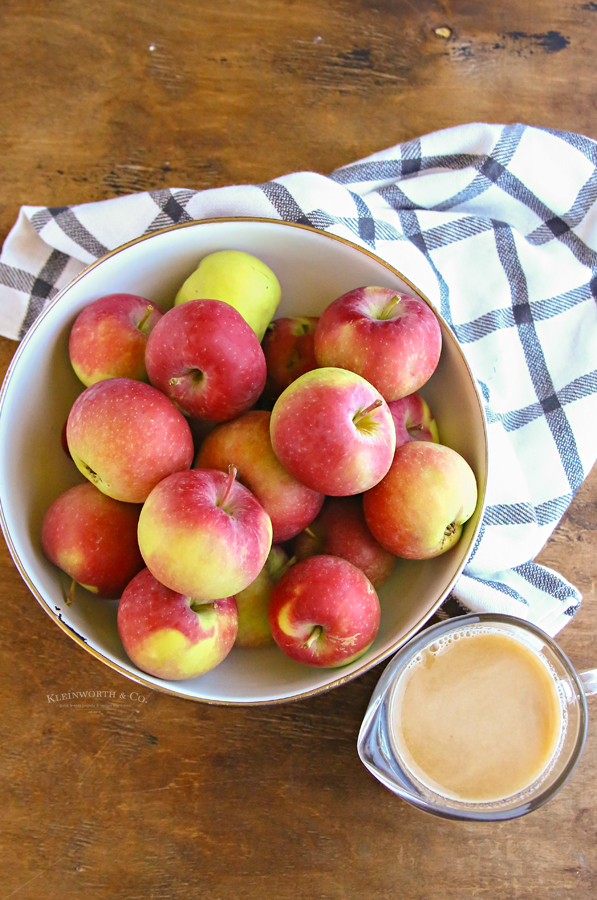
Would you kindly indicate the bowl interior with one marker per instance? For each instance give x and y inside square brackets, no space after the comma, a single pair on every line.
[313,269]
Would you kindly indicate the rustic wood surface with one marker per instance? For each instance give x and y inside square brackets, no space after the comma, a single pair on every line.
[162,798]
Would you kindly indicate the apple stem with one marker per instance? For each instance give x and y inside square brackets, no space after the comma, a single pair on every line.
[310,533]
[232,473]
[147,314]
[313,636]
[303,326]
[71,594]
[387,310]
[195,375]
[364,412]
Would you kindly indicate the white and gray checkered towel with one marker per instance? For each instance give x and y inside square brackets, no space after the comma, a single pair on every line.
[498,226]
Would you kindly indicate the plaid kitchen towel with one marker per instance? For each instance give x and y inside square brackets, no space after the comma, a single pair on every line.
[498,226]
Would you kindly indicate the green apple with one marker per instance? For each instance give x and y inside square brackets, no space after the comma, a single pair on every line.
[239,279]
[253,602]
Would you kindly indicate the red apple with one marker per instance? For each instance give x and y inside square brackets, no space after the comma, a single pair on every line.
[333,431]
[289,351]
[340,530]
[413,420]
[253,603]
[125,437]
[203,534]
[418,510]
[324,612]
[391,339]
[109,337]
[93,538]
[207,359]
[173,636]
[245,443]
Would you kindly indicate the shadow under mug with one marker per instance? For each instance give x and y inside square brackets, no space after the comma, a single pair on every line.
[380,755]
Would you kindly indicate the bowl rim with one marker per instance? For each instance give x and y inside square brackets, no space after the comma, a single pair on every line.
[138,677]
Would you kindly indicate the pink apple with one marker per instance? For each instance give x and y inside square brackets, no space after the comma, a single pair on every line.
[324,612]
[245,443]
[125,437]
[340,530]
[173,636]
[333,432]
[253,603]
[93,538]
[207,359]
[109,337]
[203,534]
[418,510]
[391,339]
[289,351]
[413,420]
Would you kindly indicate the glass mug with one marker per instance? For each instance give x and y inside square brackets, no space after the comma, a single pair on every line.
[384,747]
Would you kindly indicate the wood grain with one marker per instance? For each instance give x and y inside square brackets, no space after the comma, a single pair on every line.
[162,798]
[105,99]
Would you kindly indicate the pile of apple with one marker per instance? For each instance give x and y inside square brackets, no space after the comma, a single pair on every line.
[279,525]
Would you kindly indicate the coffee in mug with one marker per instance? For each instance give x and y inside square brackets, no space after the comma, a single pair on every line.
[482,717]
[477,715]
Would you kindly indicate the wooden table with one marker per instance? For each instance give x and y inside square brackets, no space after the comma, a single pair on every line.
[161,798]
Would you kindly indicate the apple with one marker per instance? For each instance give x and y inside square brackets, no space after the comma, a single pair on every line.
[333,432]
[289,349]
[418,510]
[391,339]
[340,530]
[109,336]
[171,635]
[237,278]
[63,440]
[205,357]
[203,534]
[125,436]
[413,420]
[324,612]
[245,443]
[253,603]
[93,538]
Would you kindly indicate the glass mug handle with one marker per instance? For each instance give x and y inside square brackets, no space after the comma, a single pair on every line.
[589,682]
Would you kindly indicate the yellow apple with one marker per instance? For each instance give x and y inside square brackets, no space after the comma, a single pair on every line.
[239,279]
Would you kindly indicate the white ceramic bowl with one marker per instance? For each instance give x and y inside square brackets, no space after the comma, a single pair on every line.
[313,268]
